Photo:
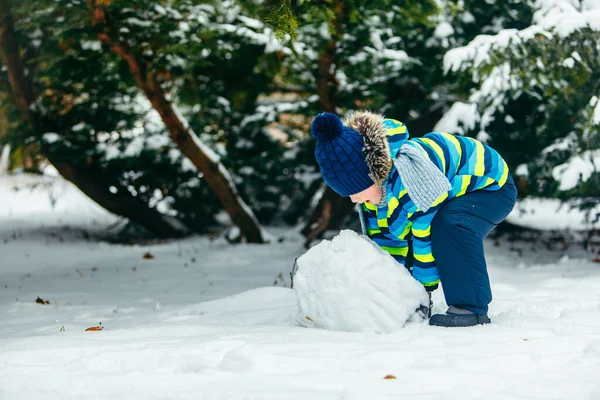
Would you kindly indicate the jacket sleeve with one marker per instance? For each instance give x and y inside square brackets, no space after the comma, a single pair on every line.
[376,229]
[424,269]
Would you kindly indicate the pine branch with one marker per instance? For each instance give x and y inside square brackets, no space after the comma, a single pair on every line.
[282,19]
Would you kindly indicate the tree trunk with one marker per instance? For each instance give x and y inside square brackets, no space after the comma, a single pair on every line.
[206,161]
[21,86]
[12,61]
[121,203]
[327,84]
[87,180]
[331,208]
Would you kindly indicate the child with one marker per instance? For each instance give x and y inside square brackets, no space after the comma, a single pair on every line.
[441,194]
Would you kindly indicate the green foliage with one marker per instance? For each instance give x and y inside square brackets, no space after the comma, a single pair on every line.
[197,49]
[544,96]
[373,44]
[282,18]
[239,84]
[470,18]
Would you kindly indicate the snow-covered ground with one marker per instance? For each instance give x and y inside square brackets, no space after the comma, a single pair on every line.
[205,319]
[552,214]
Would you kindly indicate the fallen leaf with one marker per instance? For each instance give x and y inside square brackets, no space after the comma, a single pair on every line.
[62,328]
[134,269]
[389,377]
[41,301]
[526,340]
[148,256]
[95,328]
[596,260]
[308,318]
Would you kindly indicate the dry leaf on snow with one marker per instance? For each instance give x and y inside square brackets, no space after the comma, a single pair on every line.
[95,328]
[41,301]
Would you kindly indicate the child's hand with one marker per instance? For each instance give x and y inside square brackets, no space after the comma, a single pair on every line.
[425,310]
[431,288]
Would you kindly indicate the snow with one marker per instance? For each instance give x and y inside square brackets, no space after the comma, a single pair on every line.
[460,118]
[351,284]
[51,137]
[443,30]
[251,22]
[78,127]
[266,37]
[596,105]
[157,141]
[495,85]
[224,102]
[550,214]
[186,164]
[554,19]
[568,62]
[203,318]
[49,201]
[467,17]
[324,31]
[139,22]
[396,55]
[137,145]
[562,144]
[522,170]
[566,17]
[479,49]
[4,159]
[91,45]
[483,136]
[577,169]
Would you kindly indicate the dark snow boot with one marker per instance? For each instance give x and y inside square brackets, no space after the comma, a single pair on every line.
[456,317]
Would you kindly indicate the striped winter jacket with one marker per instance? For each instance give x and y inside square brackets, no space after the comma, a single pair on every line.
[469,165]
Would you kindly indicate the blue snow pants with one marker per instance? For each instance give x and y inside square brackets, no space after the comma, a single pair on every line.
[457,233]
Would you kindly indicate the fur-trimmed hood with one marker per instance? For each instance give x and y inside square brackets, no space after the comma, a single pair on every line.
[382,140]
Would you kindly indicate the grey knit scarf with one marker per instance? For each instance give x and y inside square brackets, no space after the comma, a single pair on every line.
[423,180]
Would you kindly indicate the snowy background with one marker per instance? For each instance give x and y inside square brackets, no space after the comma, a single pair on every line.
[203,319]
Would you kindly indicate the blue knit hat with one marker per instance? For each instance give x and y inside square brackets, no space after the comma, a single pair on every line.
[340,155]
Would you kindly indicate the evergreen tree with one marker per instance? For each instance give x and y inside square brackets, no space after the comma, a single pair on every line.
[152,40]
[535,92]
[57,92]
[210,60]
[361,54]
[227,96]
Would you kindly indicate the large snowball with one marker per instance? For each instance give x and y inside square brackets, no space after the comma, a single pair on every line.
[350,284]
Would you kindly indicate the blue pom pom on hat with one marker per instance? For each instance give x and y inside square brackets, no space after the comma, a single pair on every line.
[340,155]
